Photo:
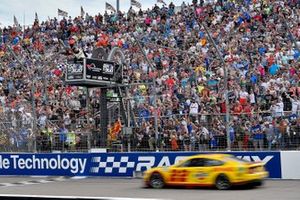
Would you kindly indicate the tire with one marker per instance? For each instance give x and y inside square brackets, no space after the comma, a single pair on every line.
[222,182]
[156,181]
[258,183]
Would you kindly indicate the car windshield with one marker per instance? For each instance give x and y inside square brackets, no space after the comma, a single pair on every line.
[233,158]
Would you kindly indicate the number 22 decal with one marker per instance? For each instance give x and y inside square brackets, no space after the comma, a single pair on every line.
[178,175]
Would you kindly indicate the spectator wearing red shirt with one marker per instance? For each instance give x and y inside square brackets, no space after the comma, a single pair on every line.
[237,108]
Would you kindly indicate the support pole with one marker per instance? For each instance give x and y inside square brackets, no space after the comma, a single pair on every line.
[128,125]
[32,92]
[118,5]
[154,88]
[225,83]
[104,119]
[89,134]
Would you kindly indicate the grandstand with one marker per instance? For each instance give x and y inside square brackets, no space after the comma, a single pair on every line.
[174,96]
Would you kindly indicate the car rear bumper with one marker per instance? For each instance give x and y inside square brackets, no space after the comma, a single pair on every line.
[259,175]
[254,181]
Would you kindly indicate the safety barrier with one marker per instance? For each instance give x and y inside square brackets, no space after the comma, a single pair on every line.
[282,165]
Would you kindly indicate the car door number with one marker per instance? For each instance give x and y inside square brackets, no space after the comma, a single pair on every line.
[178,175]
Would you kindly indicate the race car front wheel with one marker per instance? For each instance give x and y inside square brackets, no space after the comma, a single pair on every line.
[222,182]
[157,181]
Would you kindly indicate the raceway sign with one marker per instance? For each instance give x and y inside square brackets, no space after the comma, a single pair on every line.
[111,164]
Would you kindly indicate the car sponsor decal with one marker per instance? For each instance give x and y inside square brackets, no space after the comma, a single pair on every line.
[178,175]
[201,175]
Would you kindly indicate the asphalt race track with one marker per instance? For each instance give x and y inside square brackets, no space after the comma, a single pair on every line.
[133,188]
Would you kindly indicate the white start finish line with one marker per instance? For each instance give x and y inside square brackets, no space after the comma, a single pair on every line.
[69,197]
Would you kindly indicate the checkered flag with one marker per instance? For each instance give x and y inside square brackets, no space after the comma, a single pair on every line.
[110,164]
[62,66]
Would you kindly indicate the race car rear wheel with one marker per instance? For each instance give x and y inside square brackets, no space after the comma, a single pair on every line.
[222,182]
[258,183]
[156,181]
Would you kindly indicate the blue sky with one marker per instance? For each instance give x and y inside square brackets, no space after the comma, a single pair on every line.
[45,8]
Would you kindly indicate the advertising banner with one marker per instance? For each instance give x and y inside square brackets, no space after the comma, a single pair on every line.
[93,72]
[111,164]
[74,71]
[99,70]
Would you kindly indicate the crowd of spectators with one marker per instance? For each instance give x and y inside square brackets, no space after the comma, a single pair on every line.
[258,41]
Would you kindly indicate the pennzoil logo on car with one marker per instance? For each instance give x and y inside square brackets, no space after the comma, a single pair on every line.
[201,175]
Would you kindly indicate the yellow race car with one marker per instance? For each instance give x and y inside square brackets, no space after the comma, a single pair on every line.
[219,170]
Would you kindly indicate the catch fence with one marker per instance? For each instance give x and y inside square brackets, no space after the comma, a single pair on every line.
[176,132]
